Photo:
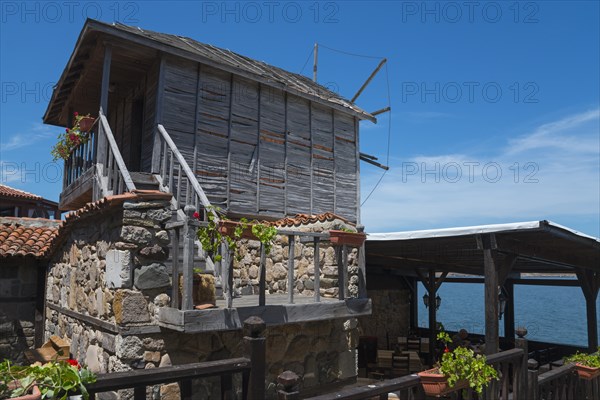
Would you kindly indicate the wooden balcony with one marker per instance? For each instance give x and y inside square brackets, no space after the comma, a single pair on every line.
[277,311]
[273,308]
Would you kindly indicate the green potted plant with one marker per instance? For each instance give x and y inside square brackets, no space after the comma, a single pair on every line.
[587,365]
[460,368]
[226,231]
[73,137]
[55,379]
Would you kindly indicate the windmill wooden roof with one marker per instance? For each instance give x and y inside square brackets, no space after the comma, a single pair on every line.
[204,53]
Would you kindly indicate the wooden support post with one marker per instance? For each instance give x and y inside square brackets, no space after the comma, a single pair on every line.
[226,387]
[175,268]
[262,284]
[289,380]
[341,272]
[491,294]
[590,284]
[532,385]
[189,234]
[431,288]
[521,343]
[414,303]
[362,268]
[160,88]
[185,389]
[139,393]
[291,256]
[105,78]
[317,269]
[509,312]
[255,344]
[225,272]
[592,323]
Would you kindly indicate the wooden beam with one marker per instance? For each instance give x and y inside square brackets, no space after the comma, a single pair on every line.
[505,267]
[491,294]
[589,281]
[545,253]
[285,155]
[369,79]
[432,317]
[509,312]
[229,125]
[440,280]
[160,89]
[258,153]
[357,144]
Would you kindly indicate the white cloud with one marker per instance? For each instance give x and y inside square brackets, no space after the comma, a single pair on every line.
[31,137]
[550,173]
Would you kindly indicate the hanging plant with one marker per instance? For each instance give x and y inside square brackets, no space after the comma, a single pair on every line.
[73,137]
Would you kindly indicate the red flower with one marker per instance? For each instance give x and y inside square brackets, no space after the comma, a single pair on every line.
[446,350]
[74,363]
[75,113]
[197,215]
[67,130]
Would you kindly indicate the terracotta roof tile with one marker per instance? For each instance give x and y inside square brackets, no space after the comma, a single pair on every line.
[7,191]
[304,219]
[26,236]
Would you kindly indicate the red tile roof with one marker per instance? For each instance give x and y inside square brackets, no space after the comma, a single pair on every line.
[39,237]
[304,219]
[26,236]
[7,191]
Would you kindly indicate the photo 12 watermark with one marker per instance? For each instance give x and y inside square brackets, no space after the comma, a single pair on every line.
[454,12]
[469,92]
[54,12]
[30,172]
[253,12]
[469,171]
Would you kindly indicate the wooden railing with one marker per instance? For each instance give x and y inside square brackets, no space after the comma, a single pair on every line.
[176,177]
[563,383]
[81,159]
[185,229]
[140,379]
[408,386]
[113,175]
[509,365]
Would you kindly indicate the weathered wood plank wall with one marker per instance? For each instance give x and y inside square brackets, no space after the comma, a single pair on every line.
[257,150]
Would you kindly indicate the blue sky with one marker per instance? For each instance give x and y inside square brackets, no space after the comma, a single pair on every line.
[495,105]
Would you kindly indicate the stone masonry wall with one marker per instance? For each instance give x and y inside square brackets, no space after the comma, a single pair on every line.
[390,316]
[112,271]
[246,270]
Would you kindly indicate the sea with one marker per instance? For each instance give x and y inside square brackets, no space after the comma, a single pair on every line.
[555,314]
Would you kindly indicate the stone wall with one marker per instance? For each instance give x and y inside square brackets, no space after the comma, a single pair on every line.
[18,291]
[246,270]
[109,278]
[390,317]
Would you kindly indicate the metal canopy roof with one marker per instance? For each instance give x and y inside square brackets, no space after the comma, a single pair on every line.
[531,247]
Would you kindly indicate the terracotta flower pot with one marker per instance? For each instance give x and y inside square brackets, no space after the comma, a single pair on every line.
[86,123]
[34,395]
[436,384]
[347,238]
[587,373]
[227,228]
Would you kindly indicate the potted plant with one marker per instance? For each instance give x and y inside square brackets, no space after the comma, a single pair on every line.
[56,380]
[226,231]
[73,137]
[460,368]
[587,365]
[347,237]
